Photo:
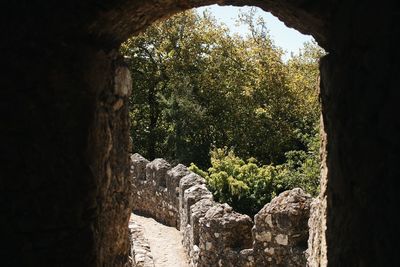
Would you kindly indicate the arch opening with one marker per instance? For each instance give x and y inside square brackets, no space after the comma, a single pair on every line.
[65,127]
[176,71]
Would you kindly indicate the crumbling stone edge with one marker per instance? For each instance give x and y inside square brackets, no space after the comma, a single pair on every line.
[213,233]
[140,254]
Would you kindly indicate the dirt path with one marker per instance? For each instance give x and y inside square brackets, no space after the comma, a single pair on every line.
[165,242]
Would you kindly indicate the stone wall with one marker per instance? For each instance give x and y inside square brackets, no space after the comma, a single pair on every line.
[156,189]
[59,205]
[213,233]
[140,254]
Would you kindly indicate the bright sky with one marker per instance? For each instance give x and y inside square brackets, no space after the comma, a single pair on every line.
[287,38]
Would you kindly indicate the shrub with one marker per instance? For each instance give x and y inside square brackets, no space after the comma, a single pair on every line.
[247,187]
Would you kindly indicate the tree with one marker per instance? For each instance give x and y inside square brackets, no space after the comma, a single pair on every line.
[197,87]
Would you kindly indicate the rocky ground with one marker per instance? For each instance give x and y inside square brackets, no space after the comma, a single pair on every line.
[165,242]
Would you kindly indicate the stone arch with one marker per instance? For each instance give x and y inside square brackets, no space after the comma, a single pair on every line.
[65,195]
[117,23]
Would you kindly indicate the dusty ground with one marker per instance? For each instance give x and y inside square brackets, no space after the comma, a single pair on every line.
[165,242]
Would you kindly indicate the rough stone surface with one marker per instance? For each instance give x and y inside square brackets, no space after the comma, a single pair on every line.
[138,167]
[156,172]
[223,233]
[280,230]
[316,241]
[173,178]
[140,251]
[64,130]
[214,234]
[191,233]
[152,193]
[192,195]
[310,18]
[185,183]
[114,190]
[165,242]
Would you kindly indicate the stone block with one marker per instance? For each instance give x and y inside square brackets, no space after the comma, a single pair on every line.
[173,178]
[280,229]
[138,167]
[191,196]
[223,233]
[157,170]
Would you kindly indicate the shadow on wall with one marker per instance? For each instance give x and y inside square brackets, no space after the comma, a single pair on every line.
[214,234]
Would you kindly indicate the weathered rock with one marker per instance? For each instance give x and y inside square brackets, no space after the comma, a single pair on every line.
[138,166]
[280,230]
[246,258]
[63,135]
[140,249]
[223,233]
[151,198]
[157,170]
[215,235]
[316,241]
[191,231]
[198,211]
[191,196]
[189,180]
[185,183]
[173,178]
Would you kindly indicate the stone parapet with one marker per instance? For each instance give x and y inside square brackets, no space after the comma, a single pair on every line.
[140,248]
[213,233]
[280,230]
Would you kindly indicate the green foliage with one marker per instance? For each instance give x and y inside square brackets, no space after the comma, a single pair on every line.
[196,86]
[302,168]
[197,170]
[247,187]
[241,184]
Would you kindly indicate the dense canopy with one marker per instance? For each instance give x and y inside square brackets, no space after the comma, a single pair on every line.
[197,89]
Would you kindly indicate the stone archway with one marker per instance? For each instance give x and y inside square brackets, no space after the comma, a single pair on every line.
[64,188]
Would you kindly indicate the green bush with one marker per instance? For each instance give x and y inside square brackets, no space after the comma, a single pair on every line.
[247,187]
